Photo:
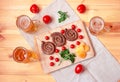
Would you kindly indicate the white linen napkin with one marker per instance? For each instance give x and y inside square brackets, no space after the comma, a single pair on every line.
[102,68]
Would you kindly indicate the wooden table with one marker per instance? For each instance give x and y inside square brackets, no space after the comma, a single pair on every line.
[10,71]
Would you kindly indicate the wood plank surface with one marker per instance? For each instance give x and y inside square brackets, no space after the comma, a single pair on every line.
[11,71]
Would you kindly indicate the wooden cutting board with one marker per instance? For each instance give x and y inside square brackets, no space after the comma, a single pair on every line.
[44,58]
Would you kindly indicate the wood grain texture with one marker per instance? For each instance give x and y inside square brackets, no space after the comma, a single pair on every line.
[11,71]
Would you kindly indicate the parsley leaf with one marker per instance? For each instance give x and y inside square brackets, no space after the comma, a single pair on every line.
[63,16]
[66,55]
[72,58]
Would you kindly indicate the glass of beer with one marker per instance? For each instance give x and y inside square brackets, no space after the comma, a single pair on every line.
[23,55]
[24,23]
[96,25]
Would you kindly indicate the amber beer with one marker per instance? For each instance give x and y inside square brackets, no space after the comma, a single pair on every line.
[96,25]
[24,23]
[23,55]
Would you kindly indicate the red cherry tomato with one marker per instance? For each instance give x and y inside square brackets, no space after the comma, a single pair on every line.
[77,43]
[78,68]
[62,31]
[81,8]
[47,19]
[47,37]
[78,30]
[52,63]
[56,51]
[57,59]
[63,48]
[51,57]
[72,46]
[81,37]
[73,27]
[34,8]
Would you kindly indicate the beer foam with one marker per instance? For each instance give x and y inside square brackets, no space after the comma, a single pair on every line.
[97,24]
[24,22]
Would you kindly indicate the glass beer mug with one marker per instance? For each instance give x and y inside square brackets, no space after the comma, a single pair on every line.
[96,25]
[24,23]
[23,55]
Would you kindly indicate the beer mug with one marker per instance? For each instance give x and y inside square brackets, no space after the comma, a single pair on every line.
[24,23]
[96,25]
[23,55]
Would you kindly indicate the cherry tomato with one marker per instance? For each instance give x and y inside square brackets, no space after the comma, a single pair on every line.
[57,59]
[47,37]
[81,37]
[63,48]
[73,27]
[52,63]
[51,57]
[56,50]
[78,68]
[34,8]
[62,31]
[81,8]
[72,46]
[47,19]
[78,30]
[77,43]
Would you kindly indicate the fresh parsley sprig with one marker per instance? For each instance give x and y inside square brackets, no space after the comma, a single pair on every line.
[66,55]
[63,16]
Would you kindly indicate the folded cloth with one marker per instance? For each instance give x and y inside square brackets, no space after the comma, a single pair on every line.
[102,68]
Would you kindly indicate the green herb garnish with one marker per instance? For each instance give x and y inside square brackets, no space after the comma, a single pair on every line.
[66,55]
[63,16]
